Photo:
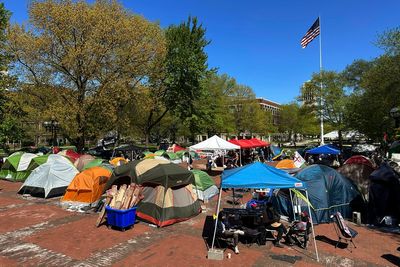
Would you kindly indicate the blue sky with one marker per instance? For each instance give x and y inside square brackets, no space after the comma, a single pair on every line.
[258,42]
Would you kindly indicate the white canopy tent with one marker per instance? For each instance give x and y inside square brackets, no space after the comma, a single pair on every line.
[215,143]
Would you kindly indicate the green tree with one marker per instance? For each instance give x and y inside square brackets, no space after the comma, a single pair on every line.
[91,55]
[181,82]
[334,99]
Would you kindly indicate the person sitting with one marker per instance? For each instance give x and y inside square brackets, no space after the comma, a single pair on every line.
[224,230]
[271,220]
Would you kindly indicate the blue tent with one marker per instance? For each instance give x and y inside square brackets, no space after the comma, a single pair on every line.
[325,149]
[259,175]
[328,192]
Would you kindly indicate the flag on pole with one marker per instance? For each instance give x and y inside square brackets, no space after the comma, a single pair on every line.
[311,34]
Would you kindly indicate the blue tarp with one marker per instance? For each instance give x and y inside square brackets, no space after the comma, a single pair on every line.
[325,149]
[259,175]
[275,150]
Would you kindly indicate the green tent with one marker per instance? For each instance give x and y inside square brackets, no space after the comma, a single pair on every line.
[93,163]
[204,187]
[171,155]
[202,180]
[16,165]
[159,152]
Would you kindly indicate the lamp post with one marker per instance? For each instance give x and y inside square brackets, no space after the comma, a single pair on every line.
[52,126]
[395,114]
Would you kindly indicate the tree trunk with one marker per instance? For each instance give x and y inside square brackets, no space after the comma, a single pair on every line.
[340,138]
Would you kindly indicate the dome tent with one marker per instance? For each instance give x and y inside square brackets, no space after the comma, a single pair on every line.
[329,192]
[87,186]
[204,187]
[16,165]
[50,179]
[167,190]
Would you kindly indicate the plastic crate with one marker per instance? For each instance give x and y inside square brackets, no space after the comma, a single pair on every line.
[121,218]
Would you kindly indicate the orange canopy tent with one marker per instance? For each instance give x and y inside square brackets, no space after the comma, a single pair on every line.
[87,186]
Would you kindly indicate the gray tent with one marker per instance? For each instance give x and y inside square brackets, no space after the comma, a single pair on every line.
[50,179]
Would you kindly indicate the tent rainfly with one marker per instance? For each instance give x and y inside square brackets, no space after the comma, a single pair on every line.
[16,165]
[258,176]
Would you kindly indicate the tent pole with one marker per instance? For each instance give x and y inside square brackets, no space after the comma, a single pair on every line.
[291,200]
[312,225]
[240,157]
[217,213]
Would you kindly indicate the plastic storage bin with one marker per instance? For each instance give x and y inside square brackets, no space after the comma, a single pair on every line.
[121,218]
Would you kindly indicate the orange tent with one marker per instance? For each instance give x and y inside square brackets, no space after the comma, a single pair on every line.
[88,185]
[285,164]
[118,161]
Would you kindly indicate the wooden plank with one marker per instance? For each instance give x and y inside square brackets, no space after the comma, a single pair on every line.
[103,210]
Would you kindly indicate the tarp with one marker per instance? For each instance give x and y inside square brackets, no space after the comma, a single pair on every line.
[87,186]
[329,192]
[214,143]
[50,179]
[249,143]
[359,159]
[325,149]
[16,165]
[259,175]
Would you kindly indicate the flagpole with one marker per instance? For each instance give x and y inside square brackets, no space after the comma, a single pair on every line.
[320,77]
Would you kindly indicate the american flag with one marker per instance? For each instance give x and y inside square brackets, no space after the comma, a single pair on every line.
[311,34]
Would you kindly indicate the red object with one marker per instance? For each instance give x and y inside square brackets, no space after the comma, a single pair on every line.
[259,142]
[176,148]
[249,143]
[72,155]
[56,149]
[358,159]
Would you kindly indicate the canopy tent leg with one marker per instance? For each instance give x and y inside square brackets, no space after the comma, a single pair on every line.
[216,219]
[291,200]
[240,157]
[312,225]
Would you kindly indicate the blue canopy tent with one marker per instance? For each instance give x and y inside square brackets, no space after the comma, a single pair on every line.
[259,176]
[325,149]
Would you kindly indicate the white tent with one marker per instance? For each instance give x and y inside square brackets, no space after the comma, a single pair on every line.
[214,143]
[50,179]
[24,161]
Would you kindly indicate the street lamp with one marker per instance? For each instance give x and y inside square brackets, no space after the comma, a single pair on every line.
[52,126]
[395,114]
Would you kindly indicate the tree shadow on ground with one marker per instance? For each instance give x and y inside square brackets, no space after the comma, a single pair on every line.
[330,241]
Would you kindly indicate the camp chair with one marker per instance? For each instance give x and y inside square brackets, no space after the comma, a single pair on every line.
[342,230]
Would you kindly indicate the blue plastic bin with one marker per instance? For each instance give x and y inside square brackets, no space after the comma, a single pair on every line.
[121,218]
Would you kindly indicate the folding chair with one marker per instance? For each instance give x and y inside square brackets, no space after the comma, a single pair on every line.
[342,230]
